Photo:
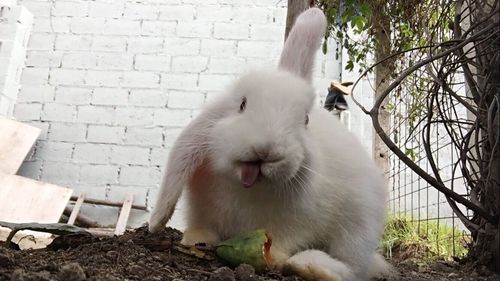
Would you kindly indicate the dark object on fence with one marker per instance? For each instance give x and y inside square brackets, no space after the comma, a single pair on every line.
[335,98]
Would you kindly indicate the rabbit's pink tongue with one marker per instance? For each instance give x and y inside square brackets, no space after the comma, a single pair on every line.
[249,173]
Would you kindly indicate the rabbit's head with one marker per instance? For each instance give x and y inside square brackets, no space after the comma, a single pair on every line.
[263,135]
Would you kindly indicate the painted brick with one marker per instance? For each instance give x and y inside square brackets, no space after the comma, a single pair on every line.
[110,96]
[42,41]
[38,93]
[87,25]
[223,65]
[159,156]
[27,111]
[81,60]
[122,27]
[214,13]
[215,82]
[144,136]
[98,174]
[231,30]
[259,49]
[177,99]
[42,25]
[103,78]
[44,59]
[61,24]
[154,98]
[105,134]
[152,62]
[140,11]
[73,9]
[96,114]
[118,193]
[251,14]
[73,42]
[31,169]
[183,12]
[172,118]
[58,112]
[38,8]
[112,61]
[267,32]
[105,9]
[130,155]
[181,46]
[171,136]
[196,29]
[141,79]
[158,28]
[137,175]
[189,64]
[72,95]
[145,45]
[91,153]
[54,151]
[179,81]
[109,44]
[218,47]
[70,77]
[61,173]
[35,76]
[67,132]
[130,116]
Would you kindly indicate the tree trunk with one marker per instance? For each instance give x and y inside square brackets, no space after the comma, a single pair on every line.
[382,31]
[485,247]
[295,7]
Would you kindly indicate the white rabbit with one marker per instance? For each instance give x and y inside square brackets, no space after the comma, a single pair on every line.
[262,156]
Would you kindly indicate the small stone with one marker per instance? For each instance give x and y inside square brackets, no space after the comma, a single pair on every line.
[245,272]
[222,274]
[71,272]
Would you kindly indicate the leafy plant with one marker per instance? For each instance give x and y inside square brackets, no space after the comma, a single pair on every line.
[426,241]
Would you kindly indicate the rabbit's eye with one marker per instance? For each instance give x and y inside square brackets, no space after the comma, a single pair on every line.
[243,104]
[307,119]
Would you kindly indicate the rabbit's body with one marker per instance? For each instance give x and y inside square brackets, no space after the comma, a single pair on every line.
[264,156]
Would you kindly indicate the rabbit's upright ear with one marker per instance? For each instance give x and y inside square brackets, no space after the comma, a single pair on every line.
[188,153]
[303,42]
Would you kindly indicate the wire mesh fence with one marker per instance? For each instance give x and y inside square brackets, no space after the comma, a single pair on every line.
[411,196]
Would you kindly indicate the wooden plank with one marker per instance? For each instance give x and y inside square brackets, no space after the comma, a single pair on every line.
[76,209]
[16,141]
[27,200]
[121,225]
[109,203]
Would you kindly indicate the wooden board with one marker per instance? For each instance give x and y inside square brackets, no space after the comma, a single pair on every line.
[76,209]
[27,200]
[121,225]
[16,140]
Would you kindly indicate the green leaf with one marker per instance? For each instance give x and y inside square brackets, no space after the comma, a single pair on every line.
[366,10]
[350,65]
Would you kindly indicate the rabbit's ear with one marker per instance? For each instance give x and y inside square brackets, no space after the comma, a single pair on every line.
[188,153]
[302,43]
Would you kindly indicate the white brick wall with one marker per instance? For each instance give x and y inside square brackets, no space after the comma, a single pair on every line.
[15,28]
[112,83]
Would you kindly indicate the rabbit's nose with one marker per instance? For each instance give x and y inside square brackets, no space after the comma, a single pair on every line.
[263,154]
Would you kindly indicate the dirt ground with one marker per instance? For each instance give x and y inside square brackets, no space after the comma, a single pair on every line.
[139,255]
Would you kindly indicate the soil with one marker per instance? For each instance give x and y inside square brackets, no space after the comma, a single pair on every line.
[139,255]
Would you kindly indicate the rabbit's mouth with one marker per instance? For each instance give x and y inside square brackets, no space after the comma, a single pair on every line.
[250,172]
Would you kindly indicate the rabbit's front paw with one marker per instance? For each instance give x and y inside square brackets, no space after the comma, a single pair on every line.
[193,236]
[317,265]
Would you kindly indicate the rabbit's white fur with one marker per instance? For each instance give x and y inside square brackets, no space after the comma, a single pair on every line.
[317,187]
